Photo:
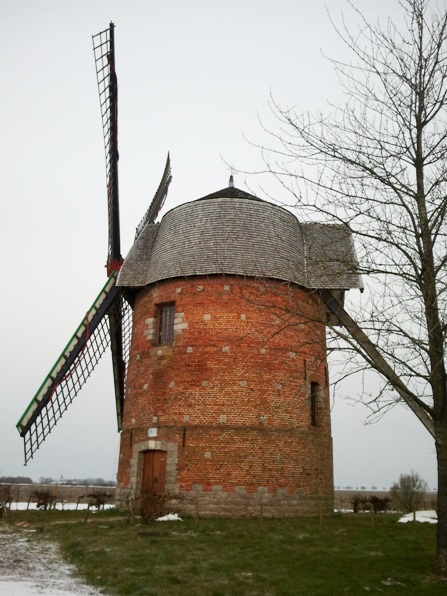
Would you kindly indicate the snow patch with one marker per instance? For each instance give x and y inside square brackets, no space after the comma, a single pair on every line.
[169,517]
[429,517]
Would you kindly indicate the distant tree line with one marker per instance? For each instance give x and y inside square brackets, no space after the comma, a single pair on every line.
[15,480]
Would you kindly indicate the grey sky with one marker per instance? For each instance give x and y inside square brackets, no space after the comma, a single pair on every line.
[194,77]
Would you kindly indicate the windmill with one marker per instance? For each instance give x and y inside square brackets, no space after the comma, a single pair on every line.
[108,321]
[211,414]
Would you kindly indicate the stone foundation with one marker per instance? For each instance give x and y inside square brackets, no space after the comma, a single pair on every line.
[241,502]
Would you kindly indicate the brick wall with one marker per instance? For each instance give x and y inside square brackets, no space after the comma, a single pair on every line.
[229,400]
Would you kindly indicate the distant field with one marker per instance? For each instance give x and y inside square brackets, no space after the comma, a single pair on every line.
[23,493]
[343,554]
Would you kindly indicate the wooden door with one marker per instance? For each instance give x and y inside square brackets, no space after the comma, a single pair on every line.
[154,471]
[153,483]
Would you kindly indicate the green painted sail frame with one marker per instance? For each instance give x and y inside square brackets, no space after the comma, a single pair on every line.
[75,364]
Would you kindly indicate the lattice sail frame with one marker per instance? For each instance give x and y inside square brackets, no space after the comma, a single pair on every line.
[104,53]
[75,365]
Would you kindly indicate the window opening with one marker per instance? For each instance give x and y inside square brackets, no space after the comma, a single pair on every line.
[165,334]
[314,390]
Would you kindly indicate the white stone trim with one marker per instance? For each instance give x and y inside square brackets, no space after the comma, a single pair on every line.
[136,464]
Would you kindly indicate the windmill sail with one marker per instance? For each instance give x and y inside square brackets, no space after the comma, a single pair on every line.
[104,52]
[159,198]
[109,321]
[74,366]
[120,331]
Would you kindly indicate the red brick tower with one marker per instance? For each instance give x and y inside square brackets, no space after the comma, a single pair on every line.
[227,404]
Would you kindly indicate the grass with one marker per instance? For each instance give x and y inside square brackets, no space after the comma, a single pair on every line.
[344,554]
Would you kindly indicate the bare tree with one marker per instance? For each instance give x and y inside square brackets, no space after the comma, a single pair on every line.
[379,165]
[408,493]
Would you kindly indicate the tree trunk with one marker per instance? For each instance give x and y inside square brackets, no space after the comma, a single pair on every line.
[441,450]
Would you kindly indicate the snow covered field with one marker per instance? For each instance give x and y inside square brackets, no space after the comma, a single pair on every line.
[28,568]
[60,506]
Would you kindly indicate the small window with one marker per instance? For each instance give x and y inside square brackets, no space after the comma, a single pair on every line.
[165,332]
[314,391]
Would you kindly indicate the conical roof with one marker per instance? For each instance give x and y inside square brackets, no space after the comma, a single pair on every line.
[233,232]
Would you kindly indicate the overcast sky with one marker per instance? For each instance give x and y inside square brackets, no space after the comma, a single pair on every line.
[194,79]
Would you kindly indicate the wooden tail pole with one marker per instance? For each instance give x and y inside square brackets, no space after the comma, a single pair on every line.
[378,361]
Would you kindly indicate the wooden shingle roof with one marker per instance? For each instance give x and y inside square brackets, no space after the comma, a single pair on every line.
[233,232]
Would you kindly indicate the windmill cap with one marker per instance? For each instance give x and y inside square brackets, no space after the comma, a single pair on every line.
[235,233]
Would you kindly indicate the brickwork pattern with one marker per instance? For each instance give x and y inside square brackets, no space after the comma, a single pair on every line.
[230,398]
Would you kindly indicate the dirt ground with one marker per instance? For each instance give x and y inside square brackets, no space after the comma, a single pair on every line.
[30,566]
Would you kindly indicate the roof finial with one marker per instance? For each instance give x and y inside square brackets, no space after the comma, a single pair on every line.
[232,172]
